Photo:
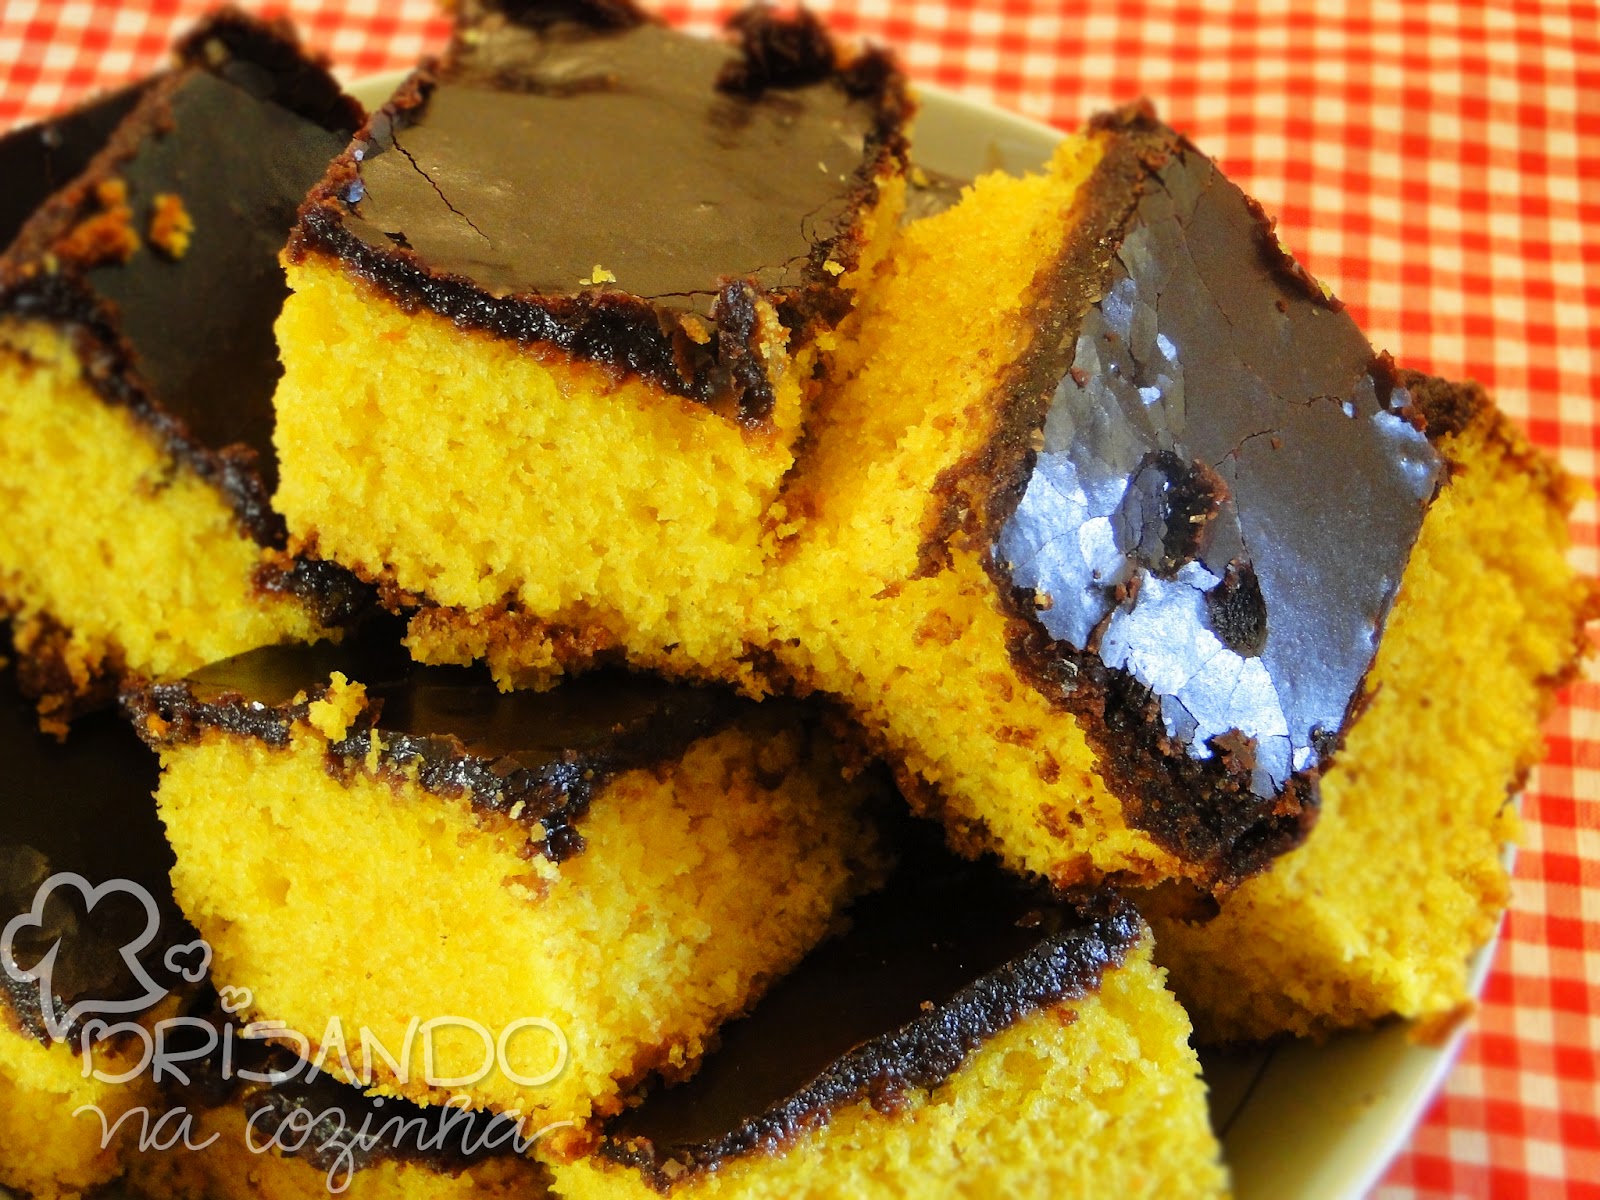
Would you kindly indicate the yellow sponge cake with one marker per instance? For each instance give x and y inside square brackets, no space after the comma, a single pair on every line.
[1417,805]
[85,808]
[555,320]
[137,368]
[1107,660]
[598,875]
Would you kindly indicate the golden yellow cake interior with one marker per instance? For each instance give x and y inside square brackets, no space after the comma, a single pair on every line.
[700,880]
[1403,877]
[114,556]
[72,1125]
[464,468]
[921,657]
[555,461]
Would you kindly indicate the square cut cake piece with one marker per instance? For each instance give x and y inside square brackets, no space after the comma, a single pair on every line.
[599,874]
[137,365]
[86,808]
[967,1036]
[555,322]
[1106,521]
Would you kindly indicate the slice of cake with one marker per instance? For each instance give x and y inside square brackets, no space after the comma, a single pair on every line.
[137,366]
[269,1128]
[1132,620]
[1416,806]
[966,1037]
[555,322]
[1104,570]
[598,876]
[85,808]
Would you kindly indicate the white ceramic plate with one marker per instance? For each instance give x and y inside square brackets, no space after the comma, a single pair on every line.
[1297,1121]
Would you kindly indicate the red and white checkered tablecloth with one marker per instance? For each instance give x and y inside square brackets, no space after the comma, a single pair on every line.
[1435,163]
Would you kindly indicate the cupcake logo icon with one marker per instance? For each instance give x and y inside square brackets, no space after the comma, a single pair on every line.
[60,1018]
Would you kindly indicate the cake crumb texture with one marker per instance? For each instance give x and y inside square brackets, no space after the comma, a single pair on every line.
[41,1090]
[700,881]
[503,479]
[921,655]
[134,557]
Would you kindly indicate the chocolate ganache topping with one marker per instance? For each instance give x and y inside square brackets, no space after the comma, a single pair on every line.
[1226,493]
[947,956]
[581,175]
[179,327]
[534,757]
[85,807]
[38,159]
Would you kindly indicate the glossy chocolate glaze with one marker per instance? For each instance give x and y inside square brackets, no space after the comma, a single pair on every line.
[950,954]
[1208,535]
[534,757]
[38,159]
[558,137]
[238,132]
[88,807]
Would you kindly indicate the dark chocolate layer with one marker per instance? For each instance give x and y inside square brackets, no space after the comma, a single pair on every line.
[536,757]
[233,138]
[950,954]
[558,138]
[87,807]
[36,160]
[1207,536]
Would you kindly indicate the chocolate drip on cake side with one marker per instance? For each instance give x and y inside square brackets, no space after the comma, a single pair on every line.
[947,957]
[1205,499]
[537,758]
[161,257]
[86,807]
[724,175]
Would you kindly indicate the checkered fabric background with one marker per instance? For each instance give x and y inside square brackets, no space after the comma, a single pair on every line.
[1428,160]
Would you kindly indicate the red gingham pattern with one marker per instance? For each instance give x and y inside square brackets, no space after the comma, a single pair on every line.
[1429,161]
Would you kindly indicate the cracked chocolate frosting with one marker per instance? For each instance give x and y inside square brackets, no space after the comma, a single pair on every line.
[230,140]
[1222,498]
[580,175]
[947,956]
[87,807]
[534,757]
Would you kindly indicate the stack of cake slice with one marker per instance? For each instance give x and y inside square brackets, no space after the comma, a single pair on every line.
[1071,497]
[1114,534]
